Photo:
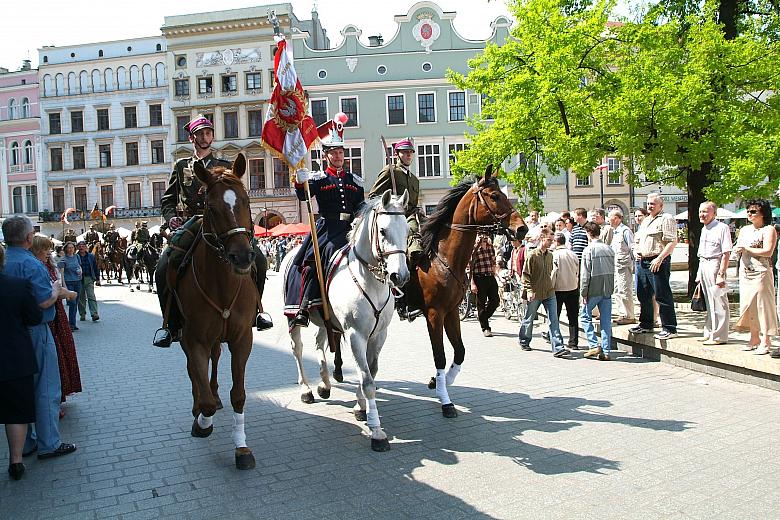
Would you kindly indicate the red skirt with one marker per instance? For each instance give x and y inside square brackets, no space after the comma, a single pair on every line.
[70,376]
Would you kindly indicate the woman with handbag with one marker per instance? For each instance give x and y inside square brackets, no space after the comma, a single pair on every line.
[714,250]
[755,245]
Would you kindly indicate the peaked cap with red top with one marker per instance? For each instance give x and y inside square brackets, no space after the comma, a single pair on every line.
[199,122]
[404,144]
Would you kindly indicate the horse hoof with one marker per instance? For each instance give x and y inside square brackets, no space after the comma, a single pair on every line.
[323,392]
[380,445]
[338,376]
[432,384]
[307,398]
[361,416]
[244,459]
[199,432]
[449,411]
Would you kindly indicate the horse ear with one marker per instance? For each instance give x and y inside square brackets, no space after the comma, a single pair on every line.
[203,175]
[386,198]
[404,198]
[488,171]
[239,166]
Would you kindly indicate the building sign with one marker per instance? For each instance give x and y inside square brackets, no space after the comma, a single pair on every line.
[674,198]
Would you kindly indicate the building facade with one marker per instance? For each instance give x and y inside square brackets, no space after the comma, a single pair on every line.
[20,142]
[220,64]
[397,89]
[105,127]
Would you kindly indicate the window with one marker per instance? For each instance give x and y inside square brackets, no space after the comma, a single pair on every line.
[17,200]
[77,121]
[614,170]
[318,161]
[79,159]
[452,148]
[104,151]
[158,157]
[54,124]
[322,73]
[231,124]
[56,159]
[131,119]
[58,200]
[426,108]
[389,156]
[381,70]
[28,152]
[12,114]
[427,67]
[155,115]
[281,174]
[428,161]
[583,181]
[182,87]
[134,195]
[25,106]
[106,196]
[31,198]
[429,209]
[484,107]
[205,85]
[209,116]
[457,106]
[350,107]
[353,160]
[229,84]
[254,81]
[256,174]
[158,190]
[255,118]
[102,119]
[396,114]
[182,135]
[131,154]
[181,61]
[80,198]
[15,156]
[319,111]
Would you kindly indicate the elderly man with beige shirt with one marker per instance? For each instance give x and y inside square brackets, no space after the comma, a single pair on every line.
[622,242]
[714,249]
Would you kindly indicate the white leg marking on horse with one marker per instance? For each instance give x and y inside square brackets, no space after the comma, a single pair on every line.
[372,415]
[239,436]
[452,373]
[230,199]
[204,422]
[441,387]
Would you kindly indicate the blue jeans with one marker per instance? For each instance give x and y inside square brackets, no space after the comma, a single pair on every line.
[527,325]
[651,284]
[604,303]
[47,392]
[73,305]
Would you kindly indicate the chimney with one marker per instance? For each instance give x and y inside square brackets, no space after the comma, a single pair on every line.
[26,65]
[375,41]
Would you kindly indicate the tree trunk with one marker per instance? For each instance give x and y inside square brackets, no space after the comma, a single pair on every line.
[697,181]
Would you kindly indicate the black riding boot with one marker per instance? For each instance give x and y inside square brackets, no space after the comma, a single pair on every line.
[163,337]
[263,320]
[400,307]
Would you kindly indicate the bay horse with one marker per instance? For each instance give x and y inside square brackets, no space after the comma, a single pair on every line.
[218,300]
[115,256]
[142,269]
[362,276]
[438,284]
[104,271]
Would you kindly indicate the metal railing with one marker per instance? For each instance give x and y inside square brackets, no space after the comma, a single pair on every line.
[271,193]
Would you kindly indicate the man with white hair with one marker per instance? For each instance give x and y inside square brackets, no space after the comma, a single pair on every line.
[599,216]
[714,250]
[622,242]
[655,241]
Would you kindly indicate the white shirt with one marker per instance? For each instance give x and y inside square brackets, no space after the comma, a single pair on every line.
[715,240]
[622,242]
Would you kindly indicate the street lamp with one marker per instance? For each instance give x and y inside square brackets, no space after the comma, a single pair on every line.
[601,169]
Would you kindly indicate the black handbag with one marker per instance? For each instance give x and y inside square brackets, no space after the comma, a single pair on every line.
[698,302]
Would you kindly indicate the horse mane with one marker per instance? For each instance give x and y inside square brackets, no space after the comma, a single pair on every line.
[364,209]
[442,215]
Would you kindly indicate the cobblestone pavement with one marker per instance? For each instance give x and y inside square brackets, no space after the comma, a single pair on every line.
[537,437]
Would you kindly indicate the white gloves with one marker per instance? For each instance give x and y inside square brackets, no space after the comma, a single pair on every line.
[302,176]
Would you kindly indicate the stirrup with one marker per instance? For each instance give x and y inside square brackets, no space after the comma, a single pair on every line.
[301,319]
[162,338]
[263,321]
[411,315]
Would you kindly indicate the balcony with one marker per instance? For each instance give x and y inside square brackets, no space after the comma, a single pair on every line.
[271,193]
[136,212]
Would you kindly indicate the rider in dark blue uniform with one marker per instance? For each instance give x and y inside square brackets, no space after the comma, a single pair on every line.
[339,194]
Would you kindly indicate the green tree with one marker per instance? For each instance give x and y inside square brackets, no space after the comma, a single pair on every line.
[684,93]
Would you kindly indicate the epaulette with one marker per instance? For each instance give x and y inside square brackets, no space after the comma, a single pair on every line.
[358,179]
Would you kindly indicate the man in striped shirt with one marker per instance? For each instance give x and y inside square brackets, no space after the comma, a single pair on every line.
[483,281]
[579,238]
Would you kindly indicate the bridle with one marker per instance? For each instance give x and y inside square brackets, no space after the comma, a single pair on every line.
[217,241]
[497,226]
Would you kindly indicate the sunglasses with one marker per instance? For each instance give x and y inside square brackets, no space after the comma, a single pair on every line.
[752,211]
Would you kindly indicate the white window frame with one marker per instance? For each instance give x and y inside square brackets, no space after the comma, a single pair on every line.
[327,107]
[429,142]
[461,143]
[357,107]
[579,181]
[480,110]
[619,170]
[348,147]
[465,106]
[417,108]
[387,108]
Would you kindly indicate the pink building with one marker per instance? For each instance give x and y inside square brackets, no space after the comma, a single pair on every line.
[20,142]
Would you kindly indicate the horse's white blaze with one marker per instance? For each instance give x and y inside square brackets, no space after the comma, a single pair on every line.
[239,436]
[204,422]
[230,199]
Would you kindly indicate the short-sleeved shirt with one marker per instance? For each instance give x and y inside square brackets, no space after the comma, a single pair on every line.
[72,267]
[715,240]
[21,263]
[484,259]
[654,234]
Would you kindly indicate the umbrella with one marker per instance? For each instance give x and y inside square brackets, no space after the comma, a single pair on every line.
[722,213]
[551,217]
[83,236]
[290,229]
[260,231]
[124,232]
[743,213]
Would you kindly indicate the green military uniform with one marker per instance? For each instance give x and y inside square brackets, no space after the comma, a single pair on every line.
[91,237]
[405,180]
[70,236]
[142,235]
[182,199]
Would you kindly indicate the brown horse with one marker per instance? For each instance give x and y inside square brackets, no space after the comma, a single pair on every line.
[218,300]
[115,257]
[439,283]
[100,259]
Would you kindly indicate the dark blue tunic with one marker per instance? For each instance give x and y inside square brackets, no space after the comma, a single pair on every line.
[338,194]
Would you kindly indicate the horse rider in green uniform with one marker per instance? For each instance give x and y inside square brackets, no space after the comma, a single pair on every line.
[407,181]
[92,237]
[112,238]
[182,207]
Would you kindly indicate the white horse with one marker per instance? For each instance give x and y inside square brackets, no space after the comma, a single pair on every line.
[361,303]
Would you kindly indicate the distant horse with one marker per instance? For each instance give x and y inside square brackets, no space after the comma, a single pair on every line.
[141,265]
[219,300]
[115,256]
[438,285]
[104,268]
[361,303]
